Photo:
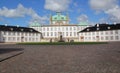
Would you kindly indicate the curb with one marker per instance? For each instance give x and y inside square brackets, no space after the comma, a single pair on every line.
[1,60]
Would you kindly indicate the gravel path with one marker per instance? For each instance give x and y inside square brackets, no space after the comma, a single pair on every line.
[101,58]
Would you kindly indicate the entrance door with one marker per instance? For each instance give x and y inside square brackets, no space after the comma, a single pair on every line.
[81,39]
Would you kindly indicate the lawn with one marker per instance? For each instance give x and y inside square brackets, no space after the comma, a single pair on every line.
[61,43]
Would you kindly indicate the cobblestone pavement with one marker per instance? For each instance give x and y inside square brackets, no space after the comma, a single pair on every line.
[101,58]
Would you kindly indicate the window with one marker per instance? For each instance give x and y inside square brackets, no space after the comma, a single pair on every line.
[86,38]
[29,34]
[13,38]
[55,33]
[43,33]
[18,38]
[51,29]
[18,33]
[21,29]
[89,33]
[70,33]
[111,32]
[111,37]
[4,33]
[51,34]
[26,39]
[36,34]
[106,37]
[101,33]
[66,28]
[9,38]
[47,33]
[102,38]
[66,33]
[81,34]
[55,18]
[48,29]
[25,34]
[9,33]
[74,28]
[117,37]
[70,28]
[62,17]
[108,27]
[97,28]
[13,33]
[85,33]
[89,38]
[22,34]
[97,33]
[63,28]
[43,29]
[74,33]
[93,38]
[116,32]
[106,33]
[88,29]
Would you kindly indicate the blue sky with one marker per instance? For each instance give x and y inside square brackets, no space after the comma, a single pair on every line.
[25,12]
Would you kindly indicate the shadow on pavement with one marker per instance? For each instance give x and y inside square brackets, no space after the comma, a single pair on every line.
[8,50]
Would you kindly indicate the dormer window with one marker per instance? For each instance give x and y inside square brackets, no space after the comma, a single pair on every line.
[97,28]
[114,23]
[55,18]
[31,30]
[11,29]
[108,27]
[97,25]
[88,29]
[62,17]
[21,29]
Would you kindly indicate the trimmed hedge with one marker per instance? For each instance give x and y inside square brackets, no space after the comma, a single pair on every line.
[62,43]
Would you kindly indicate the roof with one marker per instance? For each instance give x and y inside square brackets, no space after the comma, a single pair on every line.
[35,24]
[102,27]
[83,24]
[58,25]
[17,29]
[59,17]
[61,25]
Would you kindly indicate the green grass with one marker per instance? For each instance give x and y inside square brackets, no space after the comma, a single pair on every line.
[62,43]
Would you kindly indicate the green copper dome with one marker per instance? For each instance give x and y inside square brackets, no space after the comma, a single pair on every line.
[35,24]
[83,24]
[59,17]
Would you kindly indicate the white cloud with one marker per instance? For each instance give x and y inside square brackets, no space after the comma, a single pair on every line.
[57,5]
[109,7]
[99,5]
[41,20]
[21,11]
[82,18]
[85,18]
[114,14]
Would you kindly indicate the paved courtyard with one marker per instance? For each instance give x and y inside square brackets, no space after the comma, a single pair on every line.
[100,58]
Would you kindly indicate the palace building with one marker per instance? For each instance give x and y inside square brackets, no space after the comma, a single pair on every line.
[59,27]
[18,34]
[100,33]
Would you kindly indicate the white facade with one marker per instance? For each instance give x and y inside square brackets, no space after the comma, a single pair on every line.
[18,34]
[68,32]
[7,36]
[59,27]
[108,34]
